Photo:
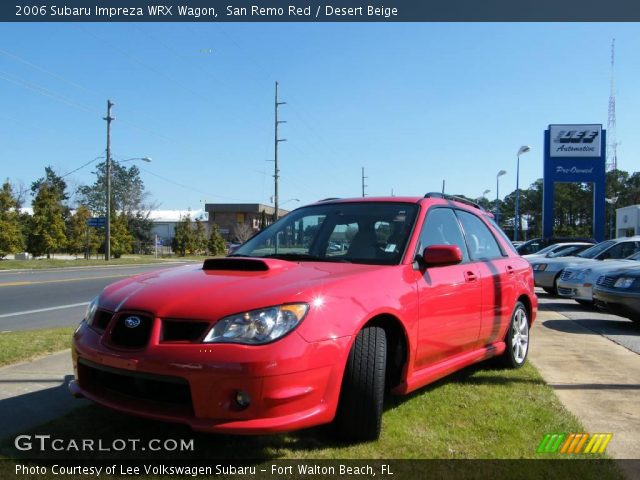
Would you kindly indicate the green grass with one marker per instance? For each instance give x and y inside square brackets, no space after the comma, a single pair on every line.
[81,262]
[479,413]
[24,345]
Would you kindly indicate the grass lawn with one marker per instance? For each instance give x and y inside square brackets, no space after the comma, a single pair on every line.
[81,262]
[24,345]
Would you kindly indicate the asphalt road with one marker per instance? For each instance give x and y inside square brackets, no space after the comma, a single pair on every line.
[56,297]
[617,329]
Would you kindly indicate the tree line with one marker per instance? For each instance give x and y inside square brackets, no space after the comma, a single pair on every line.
[54,227]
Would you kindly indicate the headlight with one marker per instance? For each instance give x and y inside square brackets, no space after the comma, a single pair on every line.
[258,326]
[624,282]
[539,267]
[90,314]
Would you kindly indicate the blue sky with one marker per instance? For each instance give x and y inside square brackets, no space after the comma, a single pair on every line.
[412,103]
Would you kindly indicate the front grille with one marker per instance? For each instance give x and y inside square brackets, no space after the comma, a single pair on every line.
[182,330]
[605,281]
[565,291]
[159,388]
[566,275]
[102,319]
[126,336]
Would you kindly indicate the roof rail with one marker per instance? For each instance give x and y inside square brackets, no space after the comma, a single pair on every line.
[328,199]
[453,198]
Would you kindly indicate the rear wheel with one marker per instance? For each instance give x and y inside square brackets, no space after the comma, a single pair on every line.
[584,303]
[517,339]
[359,415]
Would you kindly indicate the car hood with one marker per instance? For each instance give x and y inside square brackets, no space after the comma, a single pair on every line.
[196,293]
[603,266]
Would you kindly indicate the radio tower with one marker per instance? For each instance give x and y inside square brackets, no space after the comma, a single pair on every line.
[612,156]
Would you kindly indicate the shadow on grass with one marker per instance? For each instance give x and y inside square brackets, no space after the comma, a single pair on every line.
[105,428]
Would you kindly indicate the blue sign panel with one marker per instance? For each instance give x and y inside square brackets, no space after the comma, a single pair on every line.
[99,222]
[574,154]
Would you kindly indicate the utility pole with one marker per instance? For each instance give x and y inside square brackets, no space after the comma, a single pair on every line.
[363,185]
[109,119]
[277,140]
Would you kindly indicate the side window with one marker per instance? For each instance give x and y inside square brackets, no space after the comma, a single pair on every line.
[442,228]
[621,250]
[482,244]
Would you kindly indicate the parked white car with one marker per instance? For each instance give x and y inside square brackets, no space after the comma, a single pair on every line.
[577,281]
[565,249]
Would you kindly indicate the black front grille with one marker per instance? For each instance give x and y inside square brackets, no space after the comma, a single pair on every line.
[565,291]
[605,281]
[159,388]
[131,330]
[102,319]
[182,330]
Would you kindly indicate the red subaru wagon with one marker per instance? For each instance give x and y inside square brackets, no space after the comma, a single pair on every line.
[313,320]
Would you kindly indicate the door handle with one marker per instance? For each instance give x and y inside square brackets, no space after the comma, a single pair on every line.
[510,270]
[470,277]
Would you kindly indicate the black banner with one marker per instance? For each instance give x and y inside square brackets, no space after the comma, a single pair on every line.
[320,11]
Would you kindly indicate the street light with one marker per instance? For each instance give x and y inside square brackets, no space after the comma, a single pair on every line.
[500,173]
[521,150]
[107,250]
[485,192]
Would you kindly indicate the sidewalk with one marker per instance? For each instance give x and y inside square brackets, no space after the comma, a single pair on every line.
[33,393]
[596,379]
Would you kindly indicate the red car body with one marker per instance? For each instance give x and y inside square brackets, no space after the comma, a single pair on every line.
[437,319]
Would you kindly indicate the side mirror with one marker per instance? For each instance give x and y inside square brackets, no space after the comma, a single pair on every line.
[441,255]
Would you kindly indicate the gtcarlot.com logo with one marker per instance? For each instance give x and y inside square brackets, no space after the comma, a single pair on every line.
[574,443]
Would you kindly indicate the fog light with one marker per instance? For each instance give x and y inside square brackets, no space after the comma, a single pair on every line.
[243,399]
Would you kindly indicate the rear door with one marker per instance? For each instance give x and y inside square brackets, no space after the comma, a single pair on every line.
[449,296]
[497,276]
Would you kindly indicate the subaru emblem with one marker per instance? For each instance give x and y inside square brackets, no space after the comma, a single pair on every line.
[132,322]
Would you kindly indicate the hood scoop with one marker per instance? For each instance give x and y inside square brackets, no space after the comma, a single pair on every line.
[236,264]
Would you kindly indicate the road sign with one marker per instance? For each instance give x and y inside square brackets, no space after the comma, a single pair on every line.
[99,222]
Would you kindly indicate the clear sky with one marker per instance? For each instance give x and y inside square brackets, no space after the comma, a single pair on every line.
[412,103]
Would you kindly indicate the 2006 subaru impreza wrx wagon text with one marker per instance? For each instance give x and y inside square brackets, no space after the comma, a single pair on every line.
[313,320]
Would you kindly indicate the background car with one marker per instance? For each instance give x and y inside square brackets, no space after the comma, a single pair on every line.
[536,244]
[547,271]
[564,249]
[619,293]
[577,281]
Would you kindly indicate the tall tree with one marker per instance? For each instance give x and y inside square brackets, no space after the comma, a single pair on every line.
[182,239]
[78,232]
[121,239]
[47,233]
[198,242]
[11,239]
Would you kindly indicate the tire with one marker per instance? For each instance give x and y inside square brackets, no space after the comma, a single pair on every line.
[359,415]
[584,303]
[550,291]
[517,339]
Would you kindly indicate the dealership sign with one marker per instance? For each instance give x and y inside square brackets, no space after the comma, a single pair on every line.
[574,154]
[575,140]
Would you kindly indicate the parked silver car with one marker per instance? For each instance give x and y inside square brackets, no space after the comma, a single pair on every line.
[546,271]
[577,281]
[559,250]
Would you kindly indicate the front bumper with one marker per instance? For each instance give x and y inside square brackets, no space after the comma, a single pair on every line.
[291,383]
[625,304]
[577,291]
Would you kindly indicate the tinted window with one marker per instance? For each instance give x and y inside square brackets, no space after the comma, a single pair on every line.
[368,232]
[442,228]
[596,249]
[481,242]
[621,250]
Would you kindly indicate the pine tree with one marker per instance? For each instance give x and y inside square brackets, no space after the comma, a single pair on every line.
[182,239]
[11,239]
[78,232]
[47,232]
[199,238]
[217,245]
[121,239]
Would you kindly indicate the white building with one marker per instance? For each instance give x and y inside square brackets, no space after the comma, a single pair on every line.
[628,221]
[165,221]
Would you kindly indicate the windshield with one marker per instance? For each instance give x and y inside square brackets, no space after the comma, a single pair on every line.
[548,249]
[567,251]
[373,233]
[596,249]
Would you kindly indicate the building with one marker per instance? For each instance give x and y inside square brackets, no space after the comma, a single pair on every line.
[232,218]
[165,222]
[628,221]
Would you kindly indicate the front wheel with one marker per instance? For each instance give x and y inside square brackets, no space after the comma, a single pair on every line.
[517,339]
[359,415]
